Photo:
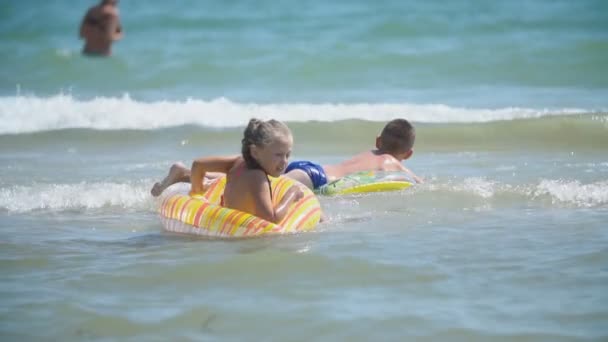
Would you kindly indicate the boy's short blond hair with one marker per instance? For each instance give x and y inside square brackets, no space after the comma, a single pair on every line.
[397,136]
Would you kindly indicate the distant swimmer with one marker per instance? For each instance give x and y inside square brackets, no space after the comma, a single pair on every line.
[100,27]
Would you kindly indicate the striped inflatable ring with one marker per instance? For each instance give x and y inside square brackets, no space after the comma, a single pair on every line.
[202,215]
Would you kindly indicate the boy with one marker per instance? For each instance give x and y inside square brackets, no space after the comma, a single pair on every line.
[393,145]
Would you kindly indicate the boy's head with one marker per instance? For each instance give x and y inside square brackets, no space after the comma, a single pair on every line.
[397,139]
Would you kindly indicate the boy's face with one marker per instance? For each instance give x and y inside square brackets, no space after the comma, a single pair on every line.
[273,158]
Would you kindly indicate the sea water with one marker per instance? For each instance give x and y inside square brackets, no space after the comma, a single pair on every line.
[506,239]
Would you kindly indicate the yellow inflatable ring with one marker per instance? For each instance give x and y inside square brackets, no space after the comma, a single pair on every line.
[202,215]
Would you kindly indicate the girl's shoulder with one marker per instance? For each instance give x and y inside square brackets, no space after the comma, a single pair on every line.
[254,174]
[255,179]
[240,171]
[238,163]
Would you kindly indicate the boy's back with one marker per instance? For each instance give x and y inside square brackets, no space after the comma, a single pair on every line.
[393,145]
[369,160]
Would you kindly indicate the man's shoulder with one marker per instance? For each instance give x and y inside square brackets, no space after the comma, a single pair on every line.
[109,11]
[91,11]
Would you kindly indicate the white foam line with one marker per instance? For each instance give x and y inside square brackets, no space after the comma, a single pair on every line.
[20,114]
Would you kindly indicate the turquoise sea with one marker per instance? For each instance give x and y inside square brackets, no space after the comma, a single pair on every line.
[507,239]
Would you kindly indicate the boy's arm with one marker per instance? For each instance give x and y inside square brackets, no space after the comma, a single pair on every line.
[209,164]
[392,164]
[409,172]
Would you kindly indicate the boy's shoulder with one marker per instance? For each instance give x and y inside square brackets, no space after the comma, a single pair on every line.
[369,154]
[377,154]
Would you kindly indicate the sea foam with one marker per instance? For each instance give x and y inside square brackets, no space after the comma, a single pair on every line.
[25,114]
[574,192]
[79,196]
[135,195]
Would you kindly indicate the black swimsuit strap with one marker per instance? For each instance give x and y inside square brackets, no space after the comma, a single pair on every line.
[259,167]
[269,187]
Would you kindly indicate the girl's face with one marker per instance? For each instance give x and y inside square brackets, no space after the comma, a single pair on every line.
[273,158]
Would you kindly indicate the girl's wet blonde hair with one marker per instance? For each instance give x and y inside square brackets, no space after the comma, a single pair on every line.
[261,133]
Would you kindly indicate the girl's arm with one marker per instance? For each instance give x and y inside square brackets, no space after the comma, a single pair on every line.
[263,203]
[294,194]
[208,164]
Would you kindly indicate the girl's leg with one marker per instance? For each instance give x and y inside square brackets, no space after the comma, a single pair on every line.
[177,173]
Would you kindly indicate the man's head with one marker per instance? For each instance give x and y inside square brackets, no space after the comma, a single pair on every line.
[397,139]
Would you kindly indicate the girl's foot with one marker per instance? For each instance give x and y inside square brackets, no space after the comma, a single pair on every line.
[177,173]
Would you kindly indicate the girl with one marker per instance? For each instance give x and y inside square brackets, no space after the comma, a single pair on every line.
[266,147]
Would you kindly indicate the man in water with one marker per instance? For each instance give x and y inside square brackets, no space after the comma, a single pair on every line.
[100,27]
